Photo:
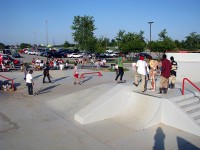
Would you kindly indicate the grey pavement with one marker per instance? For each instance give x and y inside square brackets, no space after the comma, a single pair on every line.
[28,123]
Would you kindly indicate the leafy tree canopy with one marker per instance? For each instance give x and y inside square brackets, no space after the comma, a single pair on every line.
[130,42]
[83,31]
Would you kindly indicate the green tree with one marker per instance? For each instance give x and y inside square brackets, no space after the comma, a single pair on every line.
[2,46]
[192,41]
[66,44]
[25,45]
[163,44]
[113,43]
[119,38]
[178,44]
[131,42]
[83,31]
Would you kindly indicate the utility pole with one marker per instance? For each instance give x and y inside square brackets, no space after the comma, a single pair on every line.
[150,35]
[46,23]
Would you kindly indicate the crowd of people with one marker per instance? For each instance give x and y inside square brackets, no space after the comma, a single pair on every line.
[143,71]
[166,69]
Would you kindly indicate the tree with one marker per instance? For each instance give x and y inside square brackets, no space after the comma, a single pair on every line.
[192,41]
[163,34]
[131,42]
[163,44]
[2,46]
[83,31]
[119,38]
[25,45]
[66,44]
[113,43]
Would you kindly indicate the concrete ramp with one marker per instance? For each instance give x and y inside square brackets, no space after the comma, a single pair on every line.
[136,110]
[124,106]
[142,111]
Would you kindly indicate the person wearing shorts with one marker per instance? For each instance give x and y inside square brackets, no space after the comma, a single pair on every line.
[76,74]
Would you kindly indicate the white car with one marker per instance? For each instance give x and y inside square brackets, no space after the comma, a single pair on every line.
[74,55]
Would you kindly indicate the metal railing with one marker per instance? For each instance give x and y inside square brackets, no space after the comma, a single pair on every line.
[183,85]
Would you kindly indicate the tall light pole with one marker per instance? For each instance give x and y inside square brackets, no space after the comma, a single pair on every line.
[46,32]
[150,34]
[34,37]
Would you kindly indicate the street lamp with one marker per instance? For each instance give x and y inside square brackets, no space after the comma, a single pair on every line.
[150,35]
[150,29]
[34,37]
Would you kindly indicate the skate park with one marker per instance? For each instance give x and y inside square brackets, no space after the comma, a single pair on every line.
[100,114]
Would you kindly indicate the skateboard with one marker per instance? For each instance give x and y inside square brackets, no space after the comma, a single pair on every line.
[121,81]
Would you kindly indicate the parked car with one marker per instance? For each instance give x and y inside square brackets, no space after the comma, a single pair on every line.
[107,55]
[147,56]
[74,55]
[15,55]
[23,50]
[65,54]
[7,51]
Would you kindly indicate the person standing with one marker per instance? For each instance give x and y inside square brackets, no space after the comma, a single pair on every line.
[152,74]
[25,69]
[120,67]
[165,74]
[172,78]
[141,66]
[46,73]
[29,82]
[76,74]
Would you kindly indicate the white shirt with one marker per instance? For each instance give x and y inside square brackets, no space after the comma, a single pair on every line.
[76,70]
[28,78]
[141,64]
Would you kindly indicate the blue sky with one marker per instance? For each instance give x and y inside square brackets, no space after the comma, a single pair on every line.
[24,20]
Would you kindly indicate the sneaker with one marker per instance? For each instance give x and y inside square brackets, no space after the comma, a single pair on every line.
[135,84]
[159,93]
[151,89]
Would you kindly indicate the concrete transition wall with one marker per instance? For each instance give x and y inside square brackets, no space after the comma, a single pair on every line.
[188,65]
[135,110]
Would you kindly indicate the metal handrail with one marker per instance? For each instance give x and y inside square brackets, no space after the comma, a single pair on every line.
[183,85]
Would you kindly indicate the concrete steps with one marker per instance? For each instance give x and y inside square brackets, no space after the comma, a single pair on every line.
[190,104]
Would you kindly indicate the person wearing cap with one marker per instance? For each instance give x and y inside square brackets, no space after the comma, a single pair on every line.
[29,82]
[172,78]
[141,67]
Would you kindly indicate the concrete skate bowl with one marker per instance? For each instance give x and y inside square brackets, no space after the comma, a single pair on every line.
[120,104]
[136,110]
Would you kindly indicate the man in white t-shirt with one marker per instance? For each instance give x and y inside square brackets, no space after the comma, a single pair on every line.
[141,66]
[29,82]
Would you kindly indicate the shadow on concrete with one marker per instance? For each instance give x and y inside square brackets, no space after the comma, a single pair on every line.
[55,80]
[85,79]
[37,76]
[46,90]
[159,139]
[185,145]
